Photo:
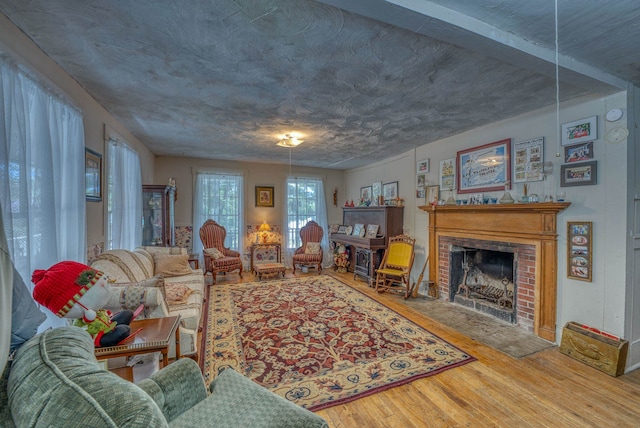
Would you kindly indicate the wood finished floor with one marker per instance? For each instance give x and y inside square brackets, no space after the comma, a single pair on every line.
[546,389]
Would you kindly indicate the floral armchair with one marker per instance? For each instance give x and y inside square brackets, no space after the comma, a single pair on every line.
[217,258]
[310,252]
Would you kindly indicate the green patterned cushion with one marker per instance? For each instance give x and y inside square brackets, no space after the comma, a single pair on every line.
[55,381]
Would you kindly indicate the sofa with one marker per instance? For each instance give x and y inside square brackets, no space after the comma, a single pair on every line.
[54,380]
[161,279]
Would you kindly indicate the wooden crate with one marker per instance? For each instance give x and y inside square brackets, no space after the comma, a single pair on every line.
[594,349]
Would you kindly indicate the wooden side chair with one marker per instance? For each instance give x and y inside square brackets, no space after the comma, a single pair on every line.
[310,252]
[218,258]
[394,273]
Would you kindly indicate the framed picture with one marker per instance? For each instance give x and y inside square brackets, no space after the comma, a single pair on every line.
[580,130]
[422,166]
[390,190]
[432,194]
[93,175]
[485,168]
[358,230]
[376,190]
[448,174]
[528,160]
[579,174]
[421,180]
[420,193]
[365,193]
[579,250]
[264,196]
[372,231]
[342,228]
[578,152]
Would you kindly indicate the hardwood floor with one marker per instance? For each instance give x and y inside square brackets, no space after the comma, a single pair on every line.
[546,389]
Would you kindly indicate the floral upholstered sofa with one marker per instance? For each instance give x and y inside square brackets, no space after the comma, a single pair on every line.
[161,279]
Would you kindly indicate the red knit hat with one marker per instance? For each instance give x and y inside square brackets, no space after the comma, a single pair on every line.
[62,285]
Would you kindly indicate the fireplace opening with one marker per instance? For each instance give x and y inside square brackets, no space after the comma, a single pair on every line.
[483,280]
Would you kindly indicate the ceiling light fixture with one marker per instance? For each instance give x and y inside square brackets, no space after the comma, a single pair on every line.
[289,141]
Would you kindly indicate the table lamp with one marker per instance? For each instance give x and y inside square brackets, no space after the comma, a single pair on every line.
[264,228]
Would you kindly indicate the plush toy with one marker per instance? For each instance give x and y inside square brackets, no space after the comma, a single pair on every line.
[76,291]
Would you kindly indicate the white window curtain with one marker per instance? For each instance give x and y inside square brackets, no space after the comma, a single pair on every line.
[124,197]
[42,188]
[219,196]
[305,201]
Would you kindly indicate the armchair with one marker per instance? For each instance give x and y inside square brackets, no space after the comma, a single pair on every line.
[217,258]
[310,252]
[395,267]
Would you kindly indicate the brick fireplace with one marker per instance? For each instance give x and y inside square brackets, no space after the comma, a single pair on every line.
[527,231]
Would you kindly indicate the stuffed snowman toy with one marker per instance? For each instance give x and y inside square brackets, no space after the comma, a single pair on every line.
[76,291]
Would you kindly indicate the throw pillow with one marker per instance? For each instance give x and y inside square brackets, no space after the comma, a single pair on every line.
[215,253]
[170,265]
[154,281]
[177,293]
[312,248]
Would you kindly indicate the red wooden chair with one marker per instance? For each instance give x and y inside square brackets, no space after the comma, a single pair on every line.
[217,258]
[310,252]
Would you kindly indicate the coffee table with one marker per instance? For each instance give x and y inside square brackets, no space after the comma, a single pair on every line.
[261,269]
[156,335]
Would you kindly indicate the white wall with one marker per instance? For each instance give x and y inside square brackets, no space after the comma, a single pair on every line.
[599,303]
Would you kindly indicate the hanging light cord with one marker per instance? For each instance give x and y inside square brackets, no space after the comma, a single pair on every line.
[557,86]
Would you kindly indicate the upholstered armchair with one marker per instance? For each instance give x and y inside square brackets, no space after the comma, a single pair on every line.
[310,252]
[217,258]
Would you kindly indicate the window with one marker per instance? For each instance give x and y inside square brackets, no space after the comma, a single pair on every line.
[219,196]
[305,201]
[124,197]
[42,191]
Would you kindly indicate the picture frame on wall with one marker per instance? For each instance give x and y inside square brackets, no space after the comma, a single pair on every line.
[579,174]
[422,166]
[92,175]
[578,152]
[432,194]
[579,250]
[579,131]
[448,174]
[390,190]
[528,160]
[365,193]
[376,191]
[484,168]
[264,196]
[421,180]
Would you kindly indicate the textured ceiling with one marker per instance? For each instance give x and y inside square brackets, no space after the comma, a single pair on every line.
[225,79]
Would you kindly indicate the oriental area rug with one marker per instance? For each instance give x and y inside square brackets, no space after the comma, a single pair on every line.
[318,342]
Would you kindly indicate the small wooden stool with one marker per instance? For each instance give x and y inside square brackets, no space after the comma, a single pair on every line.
[268,269]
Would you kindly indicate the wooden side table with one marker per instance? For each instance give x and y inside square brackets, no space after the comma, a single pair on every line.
[156,335]
[275,245]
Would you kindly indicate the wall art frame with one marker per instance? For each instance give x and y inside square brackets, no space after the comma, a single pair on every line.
[365,193]
[376,191]
[579,250]
[448,174]
[390,191]
[433,194]
[579,174]
[264,196]
[92,175]
[422,166]
[579,131]
[578,152]
[528,160]
[484,168]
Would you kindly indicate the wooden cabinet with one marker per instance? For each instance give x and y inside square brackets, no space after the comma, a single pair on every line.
[158,226]
[366,253]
